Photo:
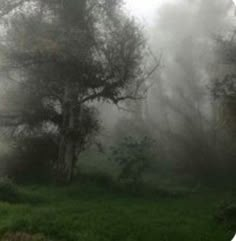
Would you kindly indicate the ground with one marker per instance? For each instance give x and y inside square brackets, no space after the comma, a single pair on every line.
[92,213]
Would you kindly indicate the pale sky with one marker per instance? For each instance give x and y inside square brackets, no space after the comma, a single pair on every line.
[145,9]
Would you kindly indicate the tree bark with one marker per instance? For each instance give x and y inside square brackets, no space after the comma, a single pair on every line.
[64,166]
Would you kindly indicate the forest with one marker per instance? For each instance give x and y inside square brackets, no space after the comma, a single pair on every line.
[117,120]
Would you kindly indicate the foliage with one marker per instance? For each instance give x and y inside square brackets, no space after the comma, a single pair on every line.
[12,193]
[32,158]
[224,88]
[134,157]
[226,214]
[224,92]
[8,191]
[96,178]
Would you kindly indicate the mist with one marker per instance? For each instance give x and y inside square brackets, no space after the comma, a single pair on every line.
[117,120]
[183,38]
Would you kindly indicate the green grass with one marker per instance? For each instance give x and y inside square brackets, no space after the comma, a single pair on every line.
[90,213]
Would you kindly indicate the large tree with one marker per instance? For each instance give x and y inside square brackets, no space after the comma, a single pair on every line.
[63,56]
[224,86]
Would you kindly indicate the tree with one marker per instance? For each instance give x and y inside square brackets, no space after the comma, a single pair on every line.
[65,55]
[134,157]
[224,88]
[224,92]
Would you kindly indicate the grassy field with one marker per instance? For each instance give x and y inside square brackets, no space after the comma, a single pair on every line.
[91,213]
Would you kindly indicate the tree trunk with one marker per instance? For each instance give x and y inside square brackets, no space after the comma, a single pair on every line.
[64,167]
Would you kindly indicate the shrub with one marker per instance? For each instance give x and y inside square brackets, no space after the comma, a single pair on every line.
[134,158]
[226,213]
[98,178]
[32,159]
[8,191]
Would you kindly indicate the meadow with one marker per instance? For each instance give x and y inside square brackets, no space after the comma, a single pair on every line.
[91,212]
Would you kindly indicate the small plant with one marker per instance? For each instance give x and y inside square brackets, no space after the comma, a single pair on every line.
[134,157]
[8,190]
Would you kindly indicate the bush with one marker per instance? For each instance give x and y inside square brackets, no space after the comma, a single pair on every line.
[97,178]
[226,213]
[32,159]
[8,191]
[134,158]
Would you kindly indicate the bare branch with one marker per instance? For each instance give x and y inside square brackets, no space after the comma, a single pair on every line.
[11,7]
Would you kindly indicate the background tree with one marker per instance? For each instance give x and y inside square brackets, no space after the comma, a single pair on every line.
[224,92]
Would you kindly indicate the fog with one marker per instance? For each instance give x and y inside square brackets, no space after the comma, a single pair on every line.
[117,120]
[179,110]
[182,37]
[179,66]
